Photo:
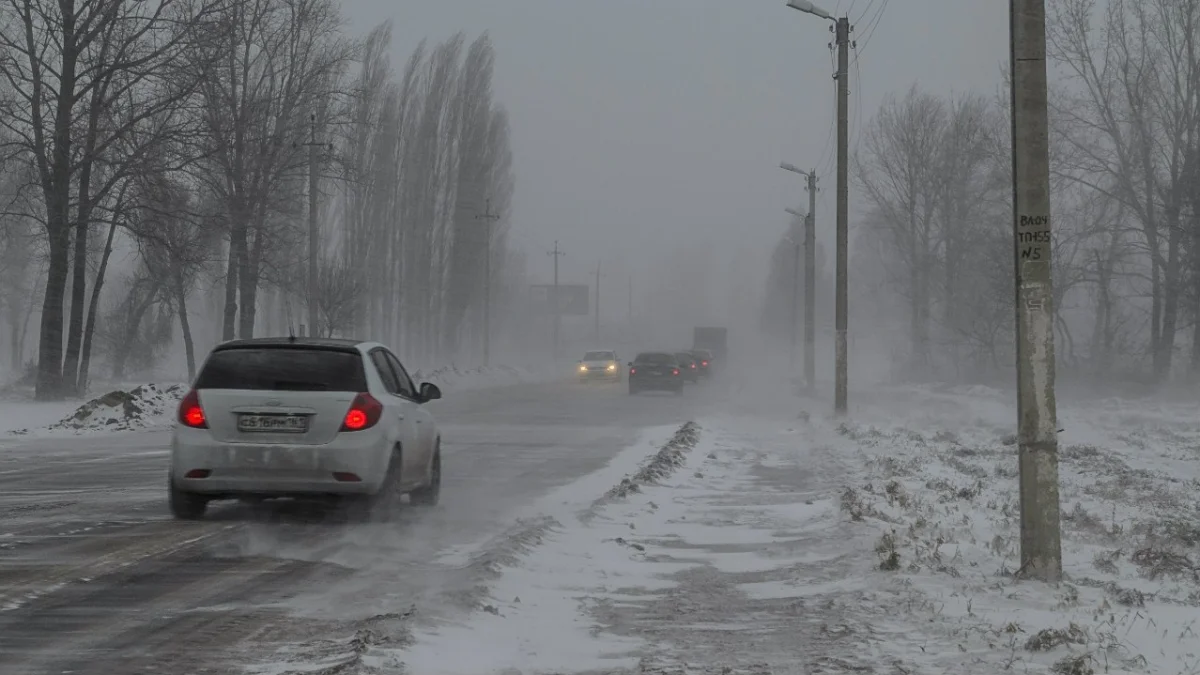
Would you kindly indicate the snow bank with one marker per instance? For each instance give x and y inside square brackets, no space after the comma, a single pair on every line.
[143,407]
[152,406]
[941,497]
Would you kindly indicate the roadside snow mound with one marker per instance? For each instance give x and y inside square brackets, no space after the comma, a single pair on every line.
[142,407]
[943,502]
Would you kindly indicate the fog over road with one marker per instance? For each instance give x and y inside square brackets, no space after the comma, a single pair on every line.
[95,577]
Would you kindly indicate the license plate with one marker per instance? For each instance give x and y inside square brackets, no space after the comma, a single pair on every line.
[283,424]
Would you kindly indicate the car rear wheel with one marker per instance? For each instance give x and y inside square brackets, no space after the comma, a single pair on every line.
[430,494]
[185,505]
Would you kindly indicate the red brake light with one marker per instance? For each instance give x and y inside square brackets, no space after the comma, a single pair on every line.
[704,363]
[693,365]
[191,414]
[674,371]
[364,413]
[632,371]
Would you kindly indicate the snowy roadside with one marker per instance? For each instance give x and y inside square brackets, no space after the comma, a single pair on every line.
[940,493]
[725,553]
[152,406]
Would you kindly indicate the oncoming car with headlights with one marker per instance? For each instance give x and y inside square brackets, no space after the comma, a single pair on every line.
[302,418]
[600,365]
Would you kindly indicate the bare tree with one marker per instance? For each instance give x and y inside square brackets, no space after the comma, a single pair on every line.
[280,64]
[1130,122]
[80,74]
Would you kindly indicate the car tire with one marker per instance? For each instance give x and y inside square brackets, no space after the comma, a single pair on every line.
[430,494]
[185,505]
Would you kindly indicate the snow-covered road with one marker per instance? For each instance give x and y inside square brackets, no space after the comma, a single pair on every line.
[738,530]
[95,577]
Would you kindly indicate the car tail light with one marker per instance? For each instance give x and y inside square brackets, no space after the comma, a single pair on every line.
[364,413]
[693,366]
[191,413]
[632,371]
[704,363]
[674,371]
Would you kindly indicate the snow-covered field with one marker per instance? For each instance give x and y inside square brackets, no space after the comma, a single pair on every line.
[152,405]
[887,544]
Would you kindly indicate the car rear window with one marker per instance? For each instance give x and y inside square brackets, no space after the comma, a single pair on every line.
[283,369]
[655,358]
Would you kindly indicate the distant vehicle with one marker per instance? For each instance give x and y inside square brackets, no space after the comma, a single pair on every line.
[688,366]
[714,339]
[600,365]
[304,417]
[655,371]
[703,361]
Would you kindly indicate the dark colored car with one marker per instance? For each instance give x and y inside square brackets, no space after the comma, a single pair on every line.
[688,367]
[655,371]
[704,361]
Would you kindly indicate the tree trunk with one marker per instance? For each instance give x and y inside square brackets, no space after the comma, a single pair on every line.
[50,345]
[248,288]
[1171,296]
[237,249]
[184,326]
[81,382]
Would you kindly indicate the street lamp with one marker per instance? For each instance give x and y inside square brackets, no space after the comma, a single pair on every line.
[841,29]
[810,278]
[809,8]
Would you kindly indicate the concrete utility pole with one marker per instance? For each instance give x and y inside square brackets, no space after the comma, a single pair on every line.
[841,374]
[810,285]
[597,302]
[629,318]
[1041,540]
[556,304]
[488,218]
[842,30]
[810,274]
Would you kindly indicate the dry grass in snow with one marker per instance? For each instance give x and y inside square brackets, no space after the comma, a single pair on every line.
[940,490]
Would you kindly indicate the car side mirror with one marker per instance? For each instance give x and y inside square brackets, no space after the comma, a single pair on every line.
[429,392]
[630,364]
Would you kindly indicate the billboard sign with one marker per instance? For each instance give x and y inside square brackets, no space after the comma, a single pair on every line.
[572,299]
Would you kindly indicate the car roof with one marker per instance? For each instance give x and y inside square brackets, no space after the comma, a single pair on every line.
[335,344]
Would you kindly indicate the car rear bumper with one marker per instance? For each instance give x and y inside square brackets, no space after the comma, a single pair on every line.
[659,383]
[244,469]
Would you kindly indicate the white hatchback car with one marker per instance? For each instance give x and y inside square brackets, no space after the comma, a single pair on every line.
[304,417]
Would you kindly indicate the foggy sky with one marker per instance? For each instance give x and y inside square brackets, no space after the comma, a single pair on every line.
[638,122]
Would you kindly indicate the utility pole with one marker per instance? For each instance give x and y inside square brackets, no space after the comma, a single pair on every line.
[597,309]
[841,30]
[1037,436]
[630,315]
[795,305]
[841,376]
[488,218]
[810,284]
[556,304]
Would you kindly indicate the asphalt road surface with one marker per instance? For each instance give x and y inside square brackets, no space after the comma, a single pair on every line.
[95,577]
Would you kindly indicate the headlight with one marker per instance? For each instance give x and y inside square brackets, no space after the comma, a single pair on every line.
[583,369]
[612,366]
